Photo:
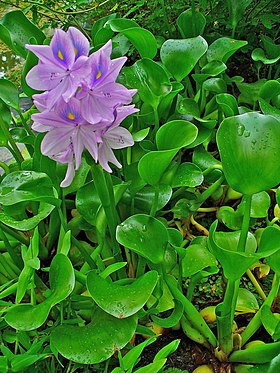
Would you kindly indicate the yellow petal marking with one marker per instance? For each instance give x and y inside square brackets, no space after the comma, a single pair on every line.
[98,75]
[75,51]
[71,116]
[60,55]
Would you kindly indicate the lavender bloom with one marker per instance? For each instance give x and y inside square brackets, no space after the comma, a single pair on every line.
[85,118]
[115,137]
[101,92]
[68,133]
[62,65]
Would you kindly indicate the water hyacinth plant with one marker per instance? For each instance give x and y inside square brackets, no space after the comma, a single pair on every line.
[146,200]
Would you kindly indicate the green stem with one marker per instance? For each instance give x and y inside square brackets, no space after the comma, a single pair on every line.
[256,284]
[191,312]
[225,315]
[5,167]
[255,323]
[16,259]
[165,18]
[156,118]
[19,237]
[245,223]
[106,195]
[209,191]
[19,158]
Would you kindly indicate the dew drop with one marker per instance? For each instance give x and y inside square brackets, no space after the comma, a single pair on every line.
[240,130]
[247,134]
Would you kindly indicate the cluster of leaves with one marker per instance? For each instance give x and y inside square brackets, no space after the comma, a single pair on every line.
[85,268]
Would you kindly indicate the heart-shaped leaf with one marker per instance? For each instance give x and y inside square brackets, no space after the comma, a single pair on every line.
[180,56]
[249,146]
[144,235]
[90,344]
[121,301]
[191,23]
[62,280]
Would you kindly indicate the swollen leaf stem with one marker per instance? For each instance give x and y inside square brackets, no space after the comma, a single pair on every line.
[245,223]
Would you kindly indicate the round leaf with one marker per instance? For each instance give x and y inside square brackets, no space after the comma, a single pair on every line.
[96,341]
[144,235]
[249,146]
[180,56]
[121,301]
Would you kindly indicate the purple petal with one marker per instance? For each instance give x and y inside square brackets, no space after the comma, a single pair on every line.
[89,111]
[44,76]
[70,173]
[80,42]
[89,140]
[105,155]
[78,147]
[43,52]
[122,112]
[118,138]
[63,49]
[56,141]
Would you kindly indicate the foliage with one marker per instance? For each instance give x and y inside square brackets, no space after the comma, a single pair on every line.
[92,259]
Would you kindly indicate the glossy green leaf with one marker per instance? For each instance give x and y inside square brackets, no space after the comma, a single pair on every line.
[259,205]
[142,39]
[270,90]
[215,85]
[171,320]
[6,116]
[144,235]
[121,301]
[180,56]
[150,79]
[224,245]
[191,24]
[271,322]
[143,199]
[249,92]
[90,344]
[9,94]
[268,109]
[258,54]
[19,186]
[26,224]
[262,353]
[197,258]
[214,68]
[154,367]
[228,104]
[169,139]
[203,159]
[16,31]
[253,139]
[131,357]
[223,48]
[246,302]
[62,280]
[167,350]
[188,174]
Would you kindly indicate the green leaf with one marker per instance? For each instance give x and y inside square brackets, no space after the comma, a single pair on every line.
[253,139]
[144,235]
[16,31]
[96,341]
[188,174]
[237,10]
[9,94]
[224,245]
[154,367]
[262,353]
[197,258]
[169,139]
[228,104]
[271,322]
[142,39]
[167,350]
[213,68]
[150,79]
[180,56]
[171,320]
[121,301]
[258,54]
[20,186]
[246,302]
[223,48]
[62,280]
[191,24]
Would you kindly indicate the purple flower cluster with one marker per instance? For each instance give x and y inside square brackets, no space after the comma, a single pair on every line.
[82,106]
